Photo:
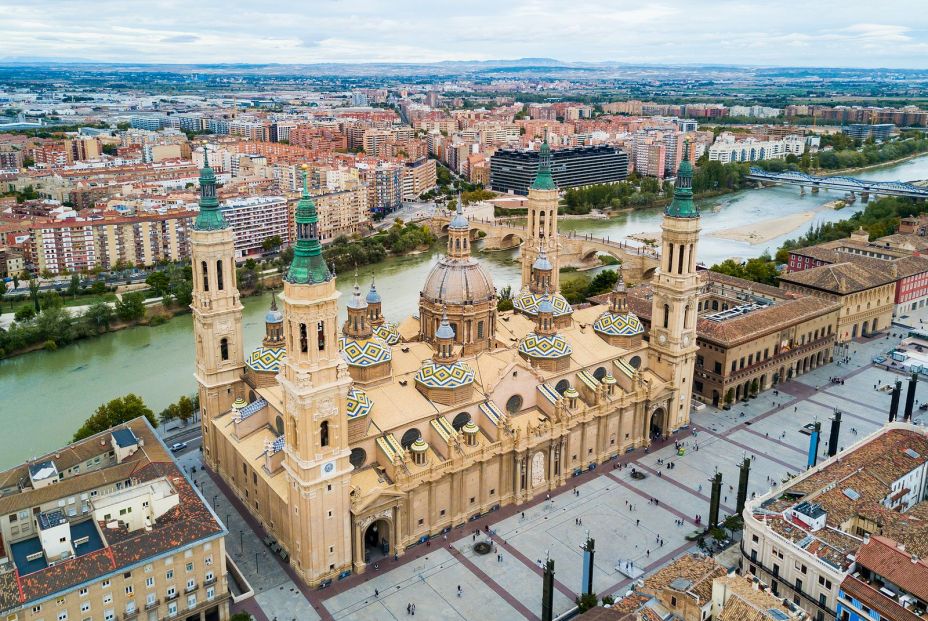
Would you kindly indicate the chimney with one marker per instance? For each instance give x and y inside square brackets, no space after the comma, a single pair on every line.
[914,559]
[901,547]
[866,538]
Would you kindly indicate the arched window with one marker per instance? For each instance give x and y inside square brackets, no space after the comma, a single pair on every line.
[562,386]
[669,257]
[320,335]
[686,316]
[409,437]
[279,424]
[460,420]
[635,361]
[304,339]
[480,329]
[224,348]
[666,315]
[358,457]
[324,433]
[514,404]
[600,373]
[219,274]
[680,260]
[205,272]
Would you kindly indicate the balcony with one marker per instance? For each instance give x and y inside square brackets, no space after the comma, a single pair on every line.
[130,614]
[191,589]
[209,581]
[153,605]
[773,362]
[170,597]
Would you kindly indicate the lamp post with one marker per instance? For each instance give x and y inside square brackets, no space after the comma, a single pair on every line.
[241,541]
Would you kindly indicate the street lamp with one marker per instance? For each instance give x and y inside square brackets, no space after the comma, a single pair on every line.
[241,541]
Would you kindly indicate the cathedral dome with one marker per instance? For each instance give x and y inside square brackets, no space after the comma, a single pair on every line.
[458,281]
[527,303]
[618,324]
[274,316]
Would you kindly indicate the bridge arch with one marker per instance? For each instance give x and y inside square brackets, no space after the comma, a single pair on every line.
[511,240]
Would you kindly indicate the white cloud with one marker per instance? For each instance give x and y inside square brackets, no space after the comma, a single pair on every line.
[790,32]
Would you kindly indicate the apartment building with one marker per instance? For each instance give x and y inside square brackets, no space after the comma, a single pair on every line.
[109,528]
[254,219]
[419,176]
[802,538]
[341,212]
[728,148]
[78,244]
[886,583]
[384,185]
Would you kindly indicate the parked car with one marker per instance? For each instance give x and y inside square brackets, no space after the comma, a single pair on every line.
[178,446]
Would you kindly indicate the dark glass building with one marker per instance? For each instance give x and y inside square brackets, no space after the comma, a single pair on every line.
[514,170]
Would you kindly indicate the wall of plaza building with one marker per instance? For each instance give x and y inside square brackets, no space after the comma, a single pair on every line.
[767,359]
[514,170]
[863,313]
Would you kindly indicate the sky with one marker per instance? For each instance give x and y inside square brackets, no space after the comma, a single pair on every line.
[848,33]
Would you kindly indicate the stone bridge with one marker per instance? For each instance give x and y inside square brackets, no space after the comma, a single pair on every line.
[577,250]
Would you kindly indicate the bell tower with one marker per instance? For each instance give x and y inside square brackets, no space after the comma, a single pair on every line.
[217,311]
[542,221]
[675,293]
[315,383]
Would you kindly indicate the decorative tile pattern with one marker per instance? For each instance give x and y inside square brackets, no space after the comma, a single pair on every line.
[267,359]
[543,346]
[387,333]
[358,403]
[435,375]
[443,427]
[549,393]
[492,412]
[614,324]
[390,447]
[364,352]
[277,445]
[527,302]
[588,380]
[252,408]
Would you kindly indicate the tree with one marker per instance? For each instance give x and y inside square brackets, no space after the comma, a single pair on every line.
[131,307]
[74,287]
[24,314]
[98,287]
[99,316]
[729,397]
[586,601]
[755,386]
[115,412]
[505,299]
[272,243]
[159,282]
[34,294]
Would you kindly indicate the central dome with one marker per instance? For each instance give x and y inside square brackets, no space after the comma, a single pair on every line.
[458,281]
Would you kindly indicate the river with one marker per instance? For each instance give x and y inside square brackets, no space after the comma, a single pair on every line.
[45,396]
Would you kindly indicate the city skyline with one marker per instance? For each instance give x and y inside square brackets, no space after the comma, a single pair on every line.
[670,32]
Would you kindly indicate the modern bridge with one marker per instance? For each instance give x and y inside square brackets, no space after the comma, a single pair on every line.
[864,187]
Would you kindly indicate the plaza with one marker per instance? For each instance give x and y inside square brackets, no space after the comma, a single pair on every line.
[614,508]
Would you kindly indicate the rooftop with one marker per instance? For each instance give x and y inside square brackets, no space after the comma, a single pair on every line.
[869,470]
[98,550]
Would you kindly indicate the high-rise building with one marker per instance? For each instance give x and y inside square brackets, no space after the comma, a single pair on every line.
[514,170]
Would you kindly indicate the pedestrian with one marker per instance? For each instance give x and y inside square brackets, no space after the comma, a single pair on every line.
[376,593]
[637,522]
[459,590]
[409,609]
[523,515]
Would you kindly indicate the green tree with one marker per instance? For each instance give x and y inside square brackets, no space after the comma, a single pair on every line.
[131,307]
[99,316]
[159,281]
[34,294]
[74,286]
[272,243]
[98,287]
[24,313]
[115,412]
[505,299]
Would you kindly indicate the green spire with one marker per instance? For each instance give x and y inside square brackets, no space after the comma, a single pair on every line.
[308,265]
[210,217]
[543,179]
[682,205]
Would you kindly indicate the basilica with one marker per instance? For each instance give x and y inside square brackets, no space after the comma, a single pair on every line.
[349,442]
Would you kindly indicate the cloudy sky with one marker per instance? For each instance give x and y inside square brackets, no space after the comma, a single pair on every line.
[846,33]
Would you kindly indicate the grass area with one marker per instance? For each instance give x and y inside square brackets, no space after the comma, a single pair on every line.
[12,305]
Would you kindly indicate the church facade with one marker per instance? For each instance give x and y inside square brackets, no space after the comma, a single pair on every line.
[350,445]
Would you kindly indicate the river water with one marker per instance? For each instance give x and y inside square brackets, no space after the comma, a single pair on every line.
[44,396]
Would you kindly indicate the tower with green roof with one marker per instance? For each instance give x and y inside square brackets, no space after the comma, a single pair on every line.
[542,221]
[308,265]
[217,310]
[674,305]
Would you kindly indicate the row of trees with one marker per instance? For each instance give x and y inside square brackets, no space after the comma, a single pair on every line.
[55,326]
[870,154]
[346,254]
[123,409]
[578,287]
[637,192]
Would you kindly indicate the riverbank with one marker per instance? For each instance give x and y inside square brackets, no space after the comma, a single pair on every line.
[763,231]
